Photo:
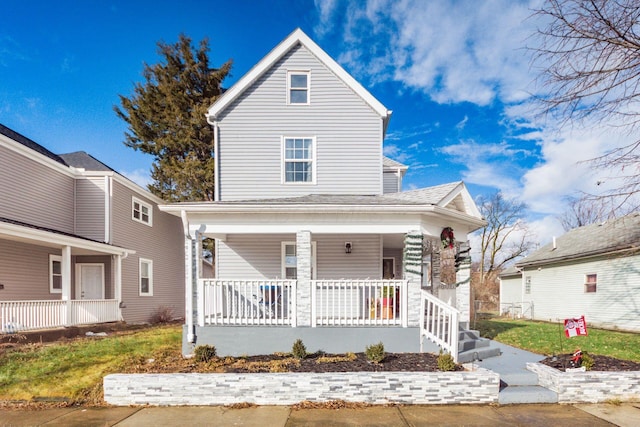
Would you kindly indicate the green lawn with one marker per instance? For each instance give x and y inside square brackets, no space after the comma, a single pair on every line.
[74,370]
[548,338]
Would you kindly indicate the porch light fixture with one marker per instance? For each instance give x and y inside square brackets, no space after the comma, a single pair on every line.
[347,247]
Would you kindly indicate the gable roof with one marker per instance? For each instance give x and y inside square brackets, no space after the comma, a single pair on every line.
[620,234]
[392,164]
[83,160]
[295,38]
[29,143]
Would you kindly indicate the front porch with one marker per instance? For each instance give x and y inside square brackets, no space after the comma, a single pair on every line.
[51,279]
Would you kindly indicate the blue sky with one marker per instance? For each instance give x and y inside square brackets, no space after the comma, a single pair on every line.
[456,74]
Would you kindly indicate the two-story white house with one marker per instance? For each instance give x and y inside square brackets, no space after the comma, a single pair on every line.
[314,239]
[80,243]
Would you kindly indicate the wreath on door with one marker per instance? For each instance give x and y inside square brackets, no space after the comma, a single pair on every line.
[447,238]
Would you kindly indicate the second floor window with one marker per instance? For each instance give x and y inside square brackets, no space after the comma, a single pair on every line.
[298,87]
[298,159]
[141,211]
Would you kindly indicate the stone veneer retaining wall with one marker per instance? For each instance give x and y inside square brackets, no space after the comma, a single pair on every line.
[477,387]
[590,386]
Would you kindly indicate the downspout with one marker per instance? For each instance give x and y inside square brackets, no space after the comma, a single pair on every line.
[188,277]
[216,150]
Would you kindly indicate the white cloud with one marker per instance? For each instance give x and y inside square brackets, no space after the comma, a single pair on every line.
[454,51]
[142,177]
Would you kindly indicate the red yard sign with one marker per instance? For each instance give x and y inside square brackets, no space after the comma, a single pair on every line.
[575,327]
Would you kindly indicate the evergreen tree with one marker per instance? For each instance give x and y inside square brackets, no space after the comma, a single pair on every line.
[166,118]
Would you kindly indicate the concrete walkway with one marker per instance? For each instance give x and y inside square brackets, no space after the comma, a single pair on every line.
[388,416]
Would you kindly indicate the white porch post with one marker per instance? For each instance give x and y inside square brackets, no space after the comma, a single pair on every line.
[118,284]
[189,288]
[303,264]
[65,267]
[200,303]
[463,290]
[412,264]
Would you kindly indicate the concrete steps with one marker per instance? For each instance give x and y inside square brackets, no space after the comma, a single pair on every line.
[522,387]
[472,347]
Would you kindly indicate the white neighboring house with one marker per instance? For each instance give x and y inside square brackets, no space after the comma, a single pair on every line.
[592,271]
[314,239]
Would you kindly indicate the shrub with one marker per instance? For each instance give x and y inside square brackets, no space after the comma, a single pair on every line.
[587,361]
[299,351]
[162,314]
[204,353]
[375,352]
[446,362]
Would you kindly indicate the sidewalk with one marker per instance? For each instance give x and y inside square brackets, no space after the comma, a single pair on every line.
[273,416]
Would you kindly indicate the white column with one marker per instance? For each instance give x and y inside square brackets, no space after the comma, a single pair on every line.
[303,264]
[463,289]
[65,267]
[412,265]
[199,309]
[189,288]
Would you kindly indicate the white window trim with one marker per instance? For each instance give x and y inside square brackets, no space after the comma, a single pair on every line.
[53,258]
[314,258]
[527,285]
[283,177]
[586,283]
[150,262]
[298,72]
[142,204]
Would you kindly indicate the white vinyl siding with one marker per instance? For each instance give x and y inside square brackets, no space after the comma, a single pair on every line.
[55,274]
[390,180]
[348,136]
[558,292]
[146,277]
[251,258]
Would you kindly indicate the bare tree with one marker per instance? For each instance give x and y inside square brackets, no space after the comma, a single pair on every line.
[506,236]
[590,56]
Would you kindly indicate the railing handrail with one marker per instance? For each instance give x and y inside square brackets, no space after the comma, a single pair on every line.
[439,323]
[28,315]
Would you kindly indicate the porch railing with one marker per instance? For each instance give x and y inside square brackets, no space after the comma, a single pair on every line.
[19,316]
[247,302]
[440,324]
[359,303]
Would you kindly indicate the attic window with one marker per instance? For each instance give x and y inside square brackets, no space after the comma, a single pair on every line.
[298,87]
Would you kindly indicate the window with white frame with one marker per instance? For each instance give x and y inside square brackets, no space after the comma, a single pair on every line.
[298,154]
[590,283]
[298,87]
[527,285]
[141,211]
[146,277]
[290,260]
[55,274]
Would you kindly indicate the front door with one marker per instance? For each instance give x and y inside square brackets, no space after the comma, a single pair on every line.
[89,281]
[388,268]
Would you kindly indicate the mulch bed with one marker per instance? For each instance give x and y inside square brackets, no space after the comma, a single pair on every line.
[601,363]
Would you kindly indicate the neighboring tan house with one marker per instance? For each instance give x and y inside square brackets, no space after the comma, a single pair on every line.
[314,239]
[592,271]
[80,243]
